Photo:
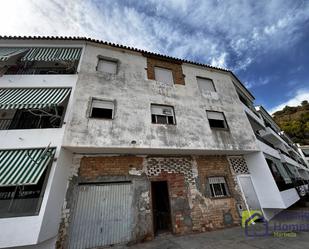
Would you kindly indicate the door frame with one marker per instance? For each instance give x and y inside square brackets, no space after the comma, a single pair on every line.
[242,191]
[170,207]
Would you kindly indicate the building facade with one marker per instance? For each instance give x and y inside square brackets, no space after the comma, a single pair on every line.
[122,144]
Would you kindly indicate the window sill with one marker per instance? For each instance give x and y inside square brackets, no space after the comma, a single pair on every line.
[164,124]
[220,129]
[109,119]
[20,216]
[221,197]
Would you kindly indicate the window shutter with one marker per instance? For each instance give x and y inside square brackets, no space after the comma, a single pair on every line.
[205,84]
[215,115]
[214,180]
[207,189]
[104,104]
[164,75]
[161,110]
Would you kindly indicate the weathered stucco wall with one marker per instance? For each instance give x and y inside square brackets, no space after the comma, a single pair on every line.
[192,208]
[134,93]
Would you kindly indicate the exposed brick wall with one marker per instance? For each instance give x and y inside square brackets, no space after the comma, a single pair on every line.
[94,167]
[209,214]
[178,192]
[175,67]
[191,209]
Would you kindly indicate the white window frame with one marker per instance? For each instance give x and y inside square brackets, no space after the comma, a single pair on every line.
[103,104]
[210,113]
[169,81]
[218,180]
[103,59]
[207,81]
[162,113]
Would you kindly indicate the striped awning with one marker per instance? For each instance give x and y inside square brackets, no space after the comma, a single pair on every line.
[52,54]
[23,166]
[7,53]
[32,98]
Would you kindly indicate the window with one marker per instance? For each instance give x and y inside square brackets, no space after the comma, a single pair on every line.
[205,85]
[218,187]
[161,114]
[164,75]
[107,66]
[102,109]
[216,120]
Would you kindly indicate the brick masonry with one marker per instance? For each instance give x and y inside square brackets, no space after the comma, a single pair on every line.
[192,210]
[175,67]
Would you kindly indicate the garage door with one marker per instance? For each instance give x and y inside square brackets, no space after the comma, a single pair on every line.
[102,215]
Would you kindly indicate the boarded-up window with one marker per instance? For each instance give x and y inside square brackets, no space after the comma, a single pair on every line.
[161,114]
[164,75]
[216,119]
[205,85]
[107,66]
[163,63]
[102,109]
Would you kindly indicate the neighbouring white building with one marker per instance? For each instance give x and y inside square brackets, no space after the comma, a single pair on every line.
[104,144]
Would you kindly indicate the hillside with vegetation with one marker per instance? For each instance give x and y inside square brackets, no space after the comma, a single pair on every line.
[294,121]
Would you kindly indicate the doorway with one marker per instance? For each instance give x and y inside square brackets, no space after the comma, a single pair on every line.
[161,207]
[248,191]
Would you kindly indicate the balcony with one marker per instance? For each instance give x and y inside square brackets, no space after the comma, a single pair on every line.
[32,108]
[39,60]
[254,114]
[31,122]
[271,136]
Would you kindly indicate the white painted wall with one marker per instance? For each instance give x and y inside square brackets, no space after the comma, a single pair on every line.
[289,197]
[268,150]
[263,181]
[43,228]
[54,202]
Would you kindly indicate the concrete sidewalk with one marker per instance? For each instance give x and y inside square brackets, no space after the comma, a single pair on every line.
[234,237]
[223,239]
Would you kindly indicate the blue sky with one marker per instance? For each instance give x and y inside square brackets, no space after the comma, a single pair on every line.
[264,42]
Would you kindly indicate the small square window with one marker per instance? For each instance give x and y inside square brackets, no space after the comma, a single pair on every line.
[107,66]
[164,75]
[205,85]
[161,114]
[102,109]
[216,120]
[218,187]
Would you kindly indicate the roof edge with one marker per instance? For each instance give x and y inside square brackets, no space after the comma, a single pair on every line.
[144,52]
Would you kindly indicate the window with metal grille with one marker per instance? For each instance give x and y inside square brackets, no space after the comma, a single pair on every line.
[216,120]
[164,75]
[102,109]
[161,114]
[218,187]
[205,85]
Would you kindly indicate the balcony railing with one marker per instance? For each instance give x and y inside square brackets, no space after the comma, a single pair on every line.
[21,70]
[29,123]
[265,141]
[5,124]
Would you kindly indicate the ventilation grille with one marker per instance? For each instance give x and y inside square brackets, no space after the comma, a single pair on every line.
[170,165]
[238,165]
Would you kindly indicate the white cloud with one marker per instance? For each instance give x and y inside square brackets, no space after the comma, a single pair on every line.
[223,33]
[294,101]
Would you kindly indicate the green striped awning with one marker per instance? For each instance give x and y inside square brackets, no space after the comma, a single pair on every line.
[23,166]
[7,53]
[52,54]
[32,98]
